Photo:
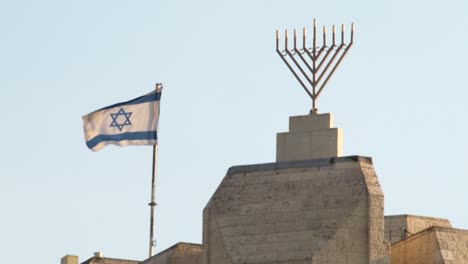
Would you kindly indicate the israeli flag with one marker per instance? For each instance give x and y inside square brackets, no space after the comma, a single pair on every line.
[129,123]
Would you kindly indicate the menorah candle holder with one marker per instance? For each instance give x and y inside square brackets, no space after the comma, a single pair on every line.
[314,66]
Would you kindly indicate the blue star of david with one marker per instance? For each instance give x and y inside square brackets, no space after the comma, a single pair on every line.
[115,117]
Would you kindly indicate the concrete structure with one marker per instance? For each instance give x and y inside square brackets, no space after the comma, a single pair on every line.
[97,259]
[180,253]
[311,206]
[69,259]
[302,212]
[433,246]
[310,137]
[308,207]
[399,227]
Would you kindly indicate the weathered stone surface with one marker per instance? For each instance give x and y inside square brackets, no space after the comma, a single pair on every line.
[311,211]
[309,123]
[180,253]
[435,245]
[309,137]
[399,227]
[105,260]
[421,248]
[69,259]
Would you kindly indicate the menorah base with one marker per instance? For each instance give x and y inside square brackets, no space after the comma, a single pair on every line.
[314,111]
[309,137]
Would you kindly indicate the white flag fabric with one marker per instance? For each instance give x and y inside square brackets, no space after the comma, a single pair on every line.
[129,123]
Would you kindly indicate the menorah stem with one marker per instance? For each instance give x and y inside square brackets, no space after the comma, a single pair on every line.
[314,84]
[314,109]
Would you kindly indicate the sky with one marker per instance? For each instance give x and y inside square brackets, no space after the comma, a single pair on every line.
[399,96]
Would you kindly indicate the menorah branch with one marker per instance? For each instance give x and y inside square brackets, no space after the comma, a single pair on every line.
[310,70]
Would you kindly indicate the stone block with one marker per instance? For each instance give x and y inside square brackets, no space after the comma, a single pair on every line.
[309,145]
[69,259]
[297,212]
[312,122]
[309,137]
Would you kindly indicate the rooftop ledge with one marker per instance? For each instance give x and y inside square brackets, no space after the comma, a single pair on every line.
[311,163]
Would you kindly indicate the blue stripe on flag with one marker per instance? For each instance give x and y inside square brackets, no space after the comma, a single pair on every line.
[146,135]
[151,97]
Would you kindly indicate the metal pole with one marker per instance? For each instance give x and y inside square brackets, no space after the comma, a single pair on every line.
[314,67]
[152,204]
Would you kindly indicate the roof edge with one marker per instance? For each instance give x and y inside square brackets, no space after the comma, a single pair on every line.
[322,162]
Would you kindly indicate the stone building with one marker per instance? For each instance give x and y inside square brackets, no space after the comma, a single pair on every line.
[310,206]
[97,259]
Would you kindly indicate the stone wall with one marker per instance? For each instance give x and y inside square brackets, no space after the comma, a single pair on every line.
[105,260]
[420,248]
[435,245]
[453,244]
[298,212]
[180,253]
[399,227]
[69,259]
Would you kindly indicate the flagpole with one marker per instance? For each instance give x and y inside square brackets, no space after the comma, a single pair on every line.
[152,204]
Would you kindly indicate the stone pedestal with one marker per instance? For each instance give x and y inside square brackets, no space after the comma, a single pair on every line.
[310,137]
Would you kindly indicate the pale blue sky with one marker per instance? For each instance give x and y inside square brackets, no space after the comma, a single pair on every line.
[400,96]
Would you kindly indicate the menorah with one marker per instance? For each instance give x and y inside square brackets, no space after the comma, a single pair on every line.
[316,64]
